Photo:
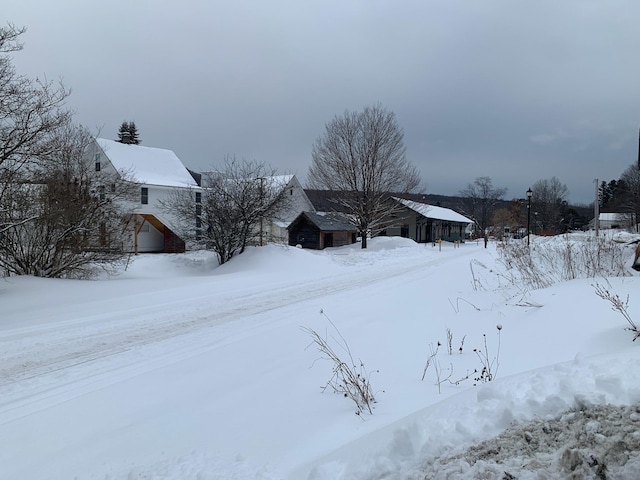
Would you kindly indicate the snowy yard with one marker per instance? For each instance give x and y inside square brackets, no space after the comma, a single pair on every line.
[178,369]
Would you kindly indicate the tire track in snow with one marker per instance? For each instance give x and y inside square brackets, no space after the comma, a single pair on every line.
[72,357]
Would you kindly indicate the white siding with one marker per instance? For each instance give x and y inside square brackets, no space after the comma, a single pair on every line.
[177,177]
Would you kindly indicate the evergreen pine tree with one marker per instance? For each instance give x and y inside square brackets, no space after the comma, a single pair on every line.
[128,133]
[123,133]
[133,134]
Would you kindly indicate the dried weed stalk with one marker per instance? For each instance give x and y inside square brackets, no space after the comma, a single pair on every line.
[348,378]
[617,305]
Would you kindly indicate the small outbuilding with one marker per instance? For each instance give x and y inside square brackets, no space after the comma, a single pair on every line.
[320,230]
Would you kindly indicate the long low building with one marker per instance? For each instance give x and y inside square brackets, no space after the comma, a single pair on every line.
[427,223]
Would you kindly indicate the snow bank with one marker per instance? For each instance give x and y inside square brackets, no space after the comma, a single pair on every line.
[180,369]
[438,442]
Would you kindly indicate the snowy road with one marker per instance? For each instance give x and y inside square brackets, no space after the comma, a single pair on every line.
[88,341]
[176,370]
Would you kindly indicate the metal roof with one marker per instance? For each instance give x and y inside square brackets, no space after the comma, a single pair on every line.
[431,211]
[327,221]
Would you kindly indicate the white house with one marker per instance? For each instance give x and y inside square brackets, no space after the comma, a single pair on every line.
[624,221]
[616,220]
[159,172]
[296,202]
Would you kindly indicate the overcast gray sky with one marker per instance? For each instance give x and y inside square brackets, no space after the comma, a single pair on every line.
[510,89]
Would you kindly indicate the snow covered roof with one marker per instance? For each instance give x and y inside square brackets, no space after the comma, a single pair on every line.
[611,217]
[148,165]
[274,182]
[431,211]
[279,180]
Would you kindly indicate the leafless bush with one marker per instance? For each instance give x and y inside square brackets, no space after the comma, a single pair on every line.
[617,305]
[349,378]
[544,263]
[238,201]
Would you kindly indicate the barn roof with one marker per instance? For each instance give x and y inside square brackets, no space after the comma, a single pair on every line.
[325,200]
[327,221]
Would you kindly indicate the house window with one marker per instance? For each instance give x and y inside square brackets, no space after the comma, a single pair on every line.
[291,192]
[144,196]
[101,193]
[97,159]
[113,188]
[198,197]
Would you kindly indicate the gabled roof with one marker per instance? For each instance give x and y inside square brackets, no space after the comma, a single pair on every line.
[148,165]
[278,181]
[613,217]
[324,200]
[437,213]
[326,221]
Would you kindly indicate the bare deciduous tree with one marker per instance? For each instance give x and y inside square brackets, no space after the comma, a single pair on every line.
[513,216]
[232,209]
[480,199]
[630,204]
[548,201]
[30,112]
[63,220]
[56,219]
[361,158]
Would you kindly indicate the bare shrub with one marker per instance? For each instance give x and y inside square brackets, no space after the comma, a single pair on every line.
[546,262]
[617,305]
[348,377]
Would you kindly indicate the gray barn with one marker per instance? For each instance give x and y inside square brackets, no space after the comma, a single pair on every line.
[318,231]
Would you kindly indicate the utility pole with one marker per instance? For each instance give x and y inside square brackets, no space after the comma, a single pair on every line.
[261,208]
[529,195]
[596,212]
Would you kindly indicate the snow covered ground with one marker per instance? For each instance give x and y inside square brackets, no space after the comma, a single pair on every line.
[180,369]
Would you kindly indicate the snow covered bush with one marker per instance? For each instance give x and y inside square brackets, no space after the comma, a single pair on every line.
[348,377]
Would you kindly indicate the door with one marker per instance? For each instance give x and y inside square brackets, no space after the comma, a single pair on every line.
[328,240]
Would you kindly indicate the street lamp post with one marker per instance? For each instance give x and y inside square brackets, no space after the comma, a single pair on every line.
[529,195]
